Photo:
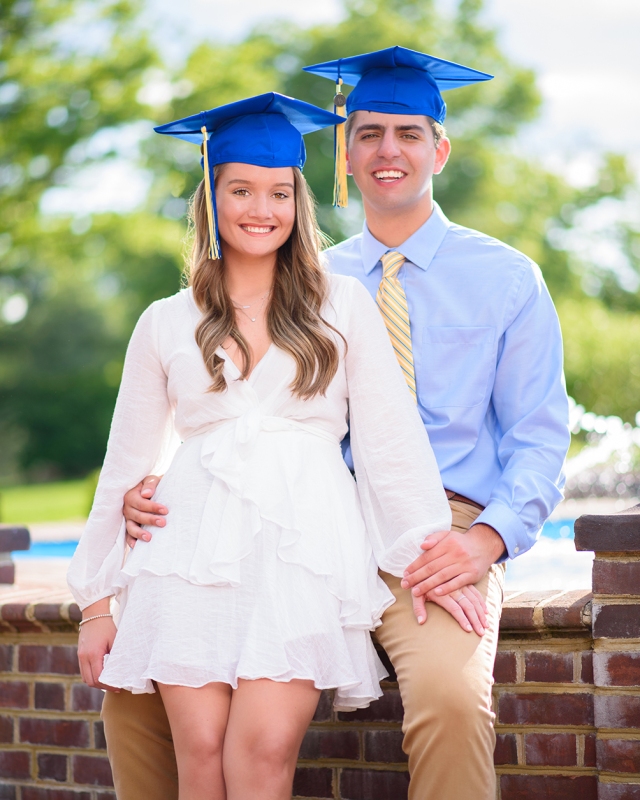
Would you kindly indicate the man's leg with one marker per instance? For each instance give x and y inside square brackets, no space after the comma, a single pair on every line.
[140,746]
[445,677]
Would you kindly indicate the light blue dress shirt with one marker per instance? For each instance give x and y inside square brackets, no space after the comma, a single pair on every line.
[487,350]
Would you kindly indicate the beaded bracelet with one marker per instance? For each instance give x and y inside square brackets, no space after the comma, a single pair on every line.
[97,616]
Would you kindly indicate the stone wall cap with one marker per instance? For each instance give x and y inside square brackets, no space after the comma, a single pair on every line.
[550,611]
[13,537]
[609,533]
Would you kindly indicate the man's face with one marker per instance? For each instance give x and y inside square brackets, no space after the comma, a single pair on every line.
[393,158]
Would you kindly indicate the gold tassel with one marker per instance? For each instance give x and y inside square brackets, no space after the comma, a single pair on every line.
[340,189]
[214,250]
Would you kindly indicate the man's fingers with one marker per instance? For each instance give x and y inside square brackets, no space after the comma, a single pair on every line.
[433,539]
[425,572]
[136,532]
[443,577]
[419,609]
[149,485]
[456,582]
[144,512]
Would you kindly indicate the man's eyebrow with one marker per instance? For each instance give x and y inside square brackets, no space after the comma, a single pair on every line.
[371,126]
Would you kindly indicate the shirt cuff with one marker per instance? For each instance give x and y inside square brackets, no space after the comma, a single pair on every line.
[510,527]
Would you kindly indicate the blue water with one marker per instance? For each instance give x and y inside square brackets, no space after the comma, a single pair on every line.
[559,529]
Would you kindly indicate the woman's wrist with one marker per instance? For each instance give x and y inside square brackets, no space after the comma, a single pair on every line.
[100,607]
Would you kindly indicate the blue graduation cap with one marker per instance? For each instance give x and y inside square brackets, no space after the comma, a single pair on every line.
[265,130]
[398,81]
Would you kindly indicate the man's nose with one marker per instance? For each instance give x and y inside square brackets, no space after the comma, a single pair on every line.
[389,147]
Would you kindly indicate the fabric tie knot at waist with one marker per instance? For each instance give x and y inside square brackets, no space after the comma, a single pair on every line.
[228,447]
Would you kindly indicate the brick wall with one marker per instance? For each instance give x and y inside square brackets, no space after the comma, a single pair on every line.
[567,699]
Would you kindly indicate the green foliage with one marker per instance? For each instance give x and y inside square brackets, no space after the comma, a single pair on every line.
[48,502]
[71,70]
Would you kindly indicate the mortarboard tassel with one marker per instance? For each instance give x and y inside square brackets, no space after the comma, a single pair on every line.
[340,190]
[214,244]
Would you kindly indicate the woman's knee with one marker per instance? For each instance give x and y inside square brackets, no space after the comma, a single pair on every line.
[273,750]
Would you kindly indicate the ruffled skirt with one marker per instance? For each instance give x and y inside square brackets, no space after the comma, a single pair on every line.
[254,593]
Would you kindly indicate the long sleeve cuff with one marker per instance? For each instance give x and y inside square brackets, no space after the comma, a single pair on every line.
[510,527]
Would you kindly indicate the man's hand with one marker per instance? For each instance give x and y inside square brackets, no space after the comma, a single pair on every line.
[453,560]
[139,510]
[466,606]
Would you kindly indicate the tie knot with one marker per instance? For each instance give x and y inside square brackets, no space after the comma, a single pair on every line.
[391,263]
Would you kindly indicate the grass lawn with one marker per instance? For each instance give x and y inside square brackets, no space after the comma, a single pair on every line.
[46,502]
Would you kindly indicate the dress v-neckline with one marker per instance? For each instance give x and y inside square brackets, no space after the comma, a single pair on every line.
[229,360]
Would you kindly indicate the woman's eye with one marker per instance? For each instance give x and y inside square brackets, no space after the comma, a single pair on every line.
[281,196]
[241,192]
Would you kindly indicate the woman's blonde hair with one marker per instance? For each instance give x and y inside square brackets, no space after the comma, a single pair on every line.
[299,292]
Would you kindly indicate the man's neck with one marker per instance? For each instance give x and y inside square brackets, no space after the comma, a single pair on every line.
[394,226]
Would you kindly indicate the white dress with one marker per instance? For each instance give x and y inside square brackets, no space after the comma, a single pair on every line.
[267,567]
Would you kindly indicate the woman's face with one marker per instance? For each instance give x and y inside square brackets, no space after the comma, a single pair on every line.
[256,208]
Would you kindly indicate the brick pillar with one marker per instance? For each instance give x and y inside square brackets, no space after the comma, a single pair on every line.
[615,539]
[11,538]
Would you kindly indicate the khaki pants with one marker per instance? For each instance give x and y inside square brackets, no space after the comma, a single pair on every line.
[445,678]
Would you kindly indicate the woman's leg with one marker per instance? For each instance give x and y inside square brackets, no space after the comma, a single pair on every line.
[198,719]
[267,722]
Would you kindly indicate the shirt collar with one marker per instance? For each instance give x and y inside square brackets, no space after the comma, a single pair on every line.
[419,248]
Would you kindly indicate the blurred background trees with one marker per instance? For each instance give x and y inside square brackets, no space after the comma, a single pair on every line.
[81,86]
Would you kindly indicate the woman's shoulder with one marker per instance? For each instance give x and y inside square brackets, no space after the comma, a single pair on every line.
[176,305]
[341,288]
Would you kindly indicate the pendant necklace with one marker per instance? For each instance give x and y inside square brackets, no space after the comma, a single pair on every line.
[262,304]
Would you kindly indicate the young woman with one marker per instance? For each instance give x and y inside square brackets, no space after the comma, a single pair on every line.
[262,588]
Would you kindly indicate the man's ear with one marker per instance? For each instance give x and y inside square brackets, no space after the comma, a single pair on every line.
[349,172]
[442,155]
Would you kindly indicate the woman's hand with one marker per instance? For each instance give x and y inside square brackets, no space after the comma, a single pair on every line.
[465,605]
[140,510]
[94,642]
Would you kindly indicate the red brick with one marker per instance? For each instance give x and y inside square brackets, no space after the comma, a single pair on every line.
[546,667]
[323,710]
[619,791]
[14,694]
[550,749]
[6,658]
[84,698]
[92,770]
[333,744]
[384,747]
[52,659]
[58,732]
[52,767]
[618,755]
[590,750]
[504,670]
[14,764]
[6,730]
[586,667]
[566,610]
[517,614]
[617,711]
[41,793]
[98,736]
[387,709]
[8,792]
[506,751]
[105,796]
[618,669]
[617,622]
[7,573]
[548,787]
[361,784]
[545,709]
[609,533]
[313,782]
[50,696]
[616,577]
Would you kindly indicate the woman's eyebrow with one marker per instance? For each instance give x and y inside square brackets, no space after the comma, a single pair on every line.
[250,183]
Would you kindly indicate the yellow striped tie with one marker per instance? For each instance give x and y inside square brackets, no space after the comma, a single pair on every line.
[392,302]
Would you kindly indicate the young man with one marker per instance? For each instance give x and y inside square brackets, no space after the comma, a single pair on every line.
[478,338]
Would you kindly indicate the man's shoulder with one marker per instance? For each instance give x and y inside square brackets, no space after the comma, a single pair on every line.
[344,256]
[475,246]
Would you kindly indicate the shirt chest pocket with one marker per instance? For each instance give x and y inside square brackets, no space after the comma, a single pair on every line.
[456,366]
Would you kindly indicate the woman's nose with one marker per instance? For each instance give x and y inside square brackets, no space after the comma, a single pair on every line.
[261,208]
